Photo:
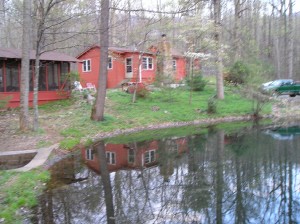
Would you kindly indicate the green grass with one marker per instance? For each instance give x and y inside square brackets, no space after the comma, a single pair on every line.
[19,190]
[172,105]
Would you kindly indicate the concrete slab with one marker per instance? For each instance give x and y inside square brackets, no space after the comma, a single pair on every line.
[11,153]
[39,159]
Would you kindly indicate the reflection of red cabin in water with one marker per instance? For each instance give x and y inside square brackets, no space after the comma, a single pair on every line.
[129,156]
[54,67]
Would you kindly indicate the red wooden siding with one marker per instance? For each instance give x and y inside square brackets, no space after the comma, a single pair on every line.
[117,74]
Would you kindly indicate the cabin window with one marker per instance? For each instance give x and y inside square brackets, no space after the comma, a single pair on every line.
[147,63]
[89,154]
[131,156]
[86,66]
[12,76]
[149,156]
[109,63]
[174,65]
[1,77]
[128,65]
[111,158]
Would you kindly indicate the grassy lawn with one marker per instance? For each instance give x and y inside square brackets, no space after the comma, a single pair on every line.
[19,190]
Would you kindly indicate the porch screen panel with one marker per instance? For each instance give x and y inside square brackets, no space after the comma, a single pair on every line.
[52,76]
[12,76]
[1,77]
[42,78]
[64,81]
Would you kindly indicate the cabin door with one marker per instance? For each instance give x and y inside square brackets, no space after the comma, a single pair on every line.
[128,69]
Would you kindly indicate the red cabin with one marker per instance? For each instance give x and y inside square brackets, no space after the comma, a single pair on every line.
[124,65]
[53,82]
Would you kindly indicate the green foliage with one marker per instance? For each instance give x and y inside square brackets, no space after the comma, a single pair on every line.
[74,76]
[260,73]
[238,73]
[71,132]
[196,82]
[56,105]
[212,105]
[69,143]
[73,137]
[165,94]
[19,190]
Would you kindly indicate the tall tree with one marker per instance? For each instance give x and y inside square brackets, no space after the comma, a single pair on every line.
[43,10]
[290,42]
[217,38]
[98,107]
[24,85]
[236,29]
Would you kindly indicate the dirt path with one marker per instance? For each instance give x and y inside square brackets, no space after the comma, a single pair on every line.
[12,139]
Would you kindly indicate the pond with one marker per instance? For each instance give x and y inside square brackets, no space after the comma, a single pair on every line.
[213,175]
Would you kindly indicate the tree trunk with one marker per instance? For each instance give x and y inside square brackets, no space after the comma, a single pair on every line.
[36,92]
[290,58]
[236,36]
[24,85]
[105,177]
[98,107]
[219,63]
[40,24]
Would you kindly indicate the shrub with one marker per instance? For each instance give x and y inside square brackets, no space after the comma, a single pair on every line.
[140,88]
[212,105]
[196,82]
[237,74]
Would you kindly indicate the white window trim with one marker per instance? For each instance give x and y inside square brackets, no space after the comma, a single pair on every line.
[126,65]
[90,62]
[110,160]
[131,156]
[149,153]
[89,154]
[147,63]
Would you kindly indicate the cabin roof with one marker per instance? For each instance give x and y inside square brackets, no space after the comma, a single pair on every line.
[46,56]
[119,50]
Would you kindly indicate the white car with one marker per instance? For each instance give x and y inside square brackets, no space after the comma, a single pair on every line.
[269,86]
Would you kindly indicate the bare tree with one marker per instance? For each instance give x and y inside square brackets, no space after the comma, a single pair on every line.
[43,10]
[238,10]
[98,108]
[290,42]
[217,38]
[24,85]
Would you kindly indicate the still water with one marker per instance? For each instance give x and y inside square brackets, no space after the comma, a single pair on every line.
[250,175]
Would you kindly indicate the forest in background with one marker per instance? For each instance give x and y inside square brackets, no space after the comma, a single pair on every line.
[264,34]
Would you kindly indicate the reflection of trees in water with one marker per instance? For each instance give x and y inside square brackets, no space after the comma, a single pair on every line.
[251,179]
